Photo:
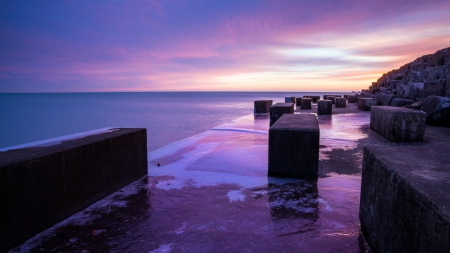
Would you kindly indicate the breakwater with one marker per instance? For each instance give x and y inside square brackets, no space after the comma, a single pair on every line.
[42,185]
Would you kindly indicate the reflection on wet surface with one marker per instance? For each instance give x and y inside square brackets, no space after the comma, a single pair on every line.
[212,194]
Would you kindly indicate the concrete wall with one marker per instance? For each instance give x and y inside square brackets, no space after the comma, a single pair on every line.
[405,205]
[40,186]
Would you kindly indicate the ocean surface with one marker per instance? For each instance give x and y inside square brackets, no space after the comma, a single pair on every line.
[167,116]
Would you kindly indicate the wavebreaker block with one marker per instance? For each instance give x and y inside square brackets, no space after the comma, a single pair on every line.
[324,107]
[306,103]
[340,102]
[278,109]
[365,104]
[294,146]
[397,123]
[262,106]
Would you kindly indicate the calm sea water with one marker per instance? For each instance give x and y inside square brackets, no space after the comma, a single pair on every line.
[168,116]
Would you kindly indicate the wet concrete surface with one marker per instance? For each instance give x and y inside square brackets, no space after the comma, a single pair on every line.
[211,193]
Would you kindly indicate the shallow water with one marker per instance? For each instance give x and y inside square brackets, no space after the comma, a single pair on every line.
[211,193]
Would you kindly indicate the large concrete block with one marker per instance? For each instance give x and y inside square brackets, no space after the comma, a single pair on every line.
[398,124]
[332,99]
[399,102]
[294,146]
[314,98]
[262,106]
[306,103]
[278,109]
[325,97]
[365,104]
[437,110]
[298,101]
[324,107]
[351,99]
[289,100]
[340,102]
[42,185]
[405,205]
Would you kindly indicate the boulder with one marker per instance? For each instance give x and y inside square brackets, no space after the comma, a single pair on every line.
[416,106]
[365,104]
[436,88]
[385,99]
[414,90]
[399,102]
[437,110]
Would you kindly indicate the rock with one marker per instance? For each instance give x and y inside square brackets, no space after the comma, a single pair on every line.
[416,106]
[437,110]
[399,102]
[385,99]
[366,95]
[365,104]
[401,89]
[436,88]
[414,90]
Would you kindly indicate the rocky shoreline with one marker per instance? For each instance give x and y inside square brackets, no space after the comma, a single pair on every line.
[423,84]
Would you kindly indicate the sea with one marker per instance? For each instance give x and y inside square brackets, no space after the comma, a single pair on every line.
[167,116]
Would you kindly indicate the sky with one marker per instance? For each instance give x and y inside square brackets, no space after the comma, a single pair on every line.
[213,45]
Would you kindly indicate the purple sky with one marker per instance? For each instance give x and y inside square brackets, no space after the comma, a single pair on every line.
[242,45]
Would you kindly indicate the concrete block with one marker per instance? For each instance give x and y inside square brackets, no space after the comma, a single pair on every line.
[351,99]
[40,186]
[325,97]
[340,102]
[324,107]
[289,100]
[314,98]
[294,146]
[278,109]
[262,106]
[306,104]
[332,99]
[401,102]
[398,124]
[365,104]
[405,205]
[298,101]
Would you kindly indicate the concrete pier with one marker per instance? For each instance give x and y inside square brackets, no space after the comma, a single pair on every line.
[262,106]
[294,146]
[332,99]
[324,107]
[340,102]
[278,109]
[405,205]
[42,185]
[306,103]
[365,104]
[397,123]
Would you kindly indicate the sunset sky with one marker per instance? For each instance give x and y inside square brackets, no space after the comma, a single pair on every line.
[213,45]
